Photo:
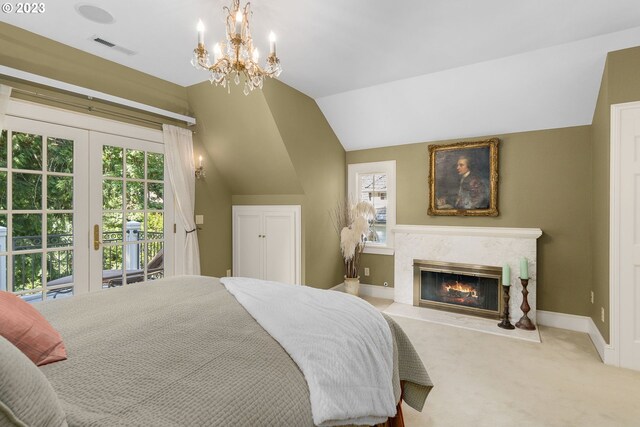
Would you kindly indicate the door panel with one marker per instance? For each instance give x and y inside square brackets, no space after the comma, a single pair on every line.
[133,210]
[630,239]
[43,204]
[248,245]
[280,247]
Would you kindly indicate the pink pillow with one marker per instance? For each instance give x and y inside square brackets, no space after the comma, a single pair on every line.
[27,329]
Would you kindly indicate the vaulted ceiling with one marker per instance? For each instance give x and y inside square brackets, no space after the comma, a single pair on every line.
[387,73]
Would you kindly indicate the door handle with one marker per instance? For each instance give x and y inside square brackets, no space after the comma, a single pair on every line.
[96,237]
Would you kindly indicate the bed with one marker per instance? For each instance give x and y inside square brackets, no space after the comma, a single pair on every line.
[182,351]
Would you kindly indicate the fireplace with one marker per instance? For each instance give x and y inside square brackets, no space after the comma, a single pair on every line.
[460,288]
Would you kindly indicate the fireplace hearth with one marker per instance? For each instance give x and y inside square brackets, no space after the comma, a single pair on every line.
[460,288]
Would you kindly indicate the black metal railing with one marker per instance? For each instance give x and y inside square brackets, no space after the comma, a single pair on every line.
[27,268]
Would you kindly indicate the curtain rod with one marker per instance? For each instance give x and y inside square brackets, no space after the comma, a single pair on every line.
[92,94]
[85,107]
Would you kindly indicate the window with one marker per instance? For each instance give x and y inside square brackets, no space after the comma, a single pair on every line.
[375,183]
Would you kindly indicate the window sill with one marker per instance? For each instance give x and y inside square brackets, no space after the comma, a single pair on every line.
[379,250]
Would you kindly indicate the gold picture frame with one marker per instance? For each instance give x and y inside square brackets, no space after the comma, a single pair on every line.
[463,178]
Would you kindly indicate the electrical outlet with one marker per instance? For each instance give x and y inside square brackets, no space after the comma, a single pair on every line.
[602,314]
[199,219]
[366,271]
[386,284]
[591,297]
[229,273]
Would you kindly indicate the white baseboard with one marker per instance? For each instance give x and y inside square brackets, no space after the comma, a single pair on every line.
[374,291]
[580,324]
[563,321]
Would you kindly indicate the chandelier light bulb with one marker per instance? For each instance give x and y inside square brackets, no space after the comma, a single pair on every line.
[217,51]
[256,55]
[200,32]
[238,22]
[272,43]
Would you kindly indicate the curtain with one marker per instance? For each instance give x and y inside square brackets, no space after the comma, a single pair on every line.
[178,146]
[5,92]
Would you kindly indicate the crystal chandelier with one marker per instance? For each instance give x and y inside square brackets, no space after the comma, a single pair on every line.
[236,57]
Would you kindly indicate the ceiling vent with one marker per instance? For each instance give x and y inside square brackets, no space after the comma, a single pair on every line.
[113,46]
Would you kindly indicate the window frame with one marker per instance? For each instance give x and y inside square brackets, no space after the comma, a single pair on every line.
[354,170]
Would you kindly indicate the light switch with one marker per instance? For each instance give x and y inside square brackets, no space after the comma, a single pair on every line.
[199,219]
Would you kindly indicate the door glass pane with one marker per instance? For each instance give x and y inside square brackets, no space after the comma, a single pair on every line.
[112,260]
[27,191]
[135,164]
[3,190]
[135,226]
[27,151]
[60,155]
[60,192]
[156,226]
[135,195]
[112,161]
[59,230]
[27,231]
[3,273]
[3,149]
[135,260]
[3,233]
[112,194]
[155,166]
[155,196]
[155,260]
[59,268]
[27,271]
[112,230]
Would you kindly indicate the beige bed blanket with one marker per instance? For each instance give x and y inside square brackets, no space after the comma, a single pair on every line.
[181,351]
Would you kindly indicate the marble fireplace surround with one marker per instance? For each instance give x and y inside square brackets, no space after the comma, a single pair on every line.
[490,246]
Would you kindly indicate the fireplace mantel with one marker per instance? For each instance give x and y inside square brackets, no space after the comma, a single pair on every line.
[520,233]
[489,246]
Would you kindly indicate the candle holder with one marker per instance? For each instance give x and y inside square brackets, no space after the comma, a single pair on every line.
[505,324]
[525,322]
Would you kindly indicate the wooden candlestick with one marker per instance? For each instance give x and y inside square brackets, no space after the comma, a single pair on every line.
[525,322]
[505,324]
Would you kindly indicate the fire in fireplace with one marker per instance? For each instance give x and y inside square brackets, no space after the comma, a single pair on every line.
[454,287]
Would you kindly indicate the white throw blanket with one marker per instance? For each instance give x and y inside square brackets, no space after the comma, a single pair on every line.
[342,345]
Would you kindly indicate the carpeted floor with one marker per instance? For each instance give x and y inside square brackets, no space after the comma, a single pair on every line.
[487,380]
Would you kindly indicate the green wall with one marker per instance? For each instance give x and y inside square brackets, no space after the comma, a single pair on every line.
[271,147]
[620,83]
[544,182]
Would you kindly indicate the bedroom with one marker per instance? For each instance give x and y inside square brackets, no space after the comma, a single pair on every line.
[284,146]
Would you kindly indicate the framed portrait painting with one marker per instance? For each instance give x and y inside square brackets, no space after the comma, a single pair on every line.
[463,178]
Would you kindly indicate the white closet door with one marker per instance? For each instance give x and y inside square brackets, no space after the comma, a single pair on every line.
[280,246]
[247,245]
[266,242]
[629,237]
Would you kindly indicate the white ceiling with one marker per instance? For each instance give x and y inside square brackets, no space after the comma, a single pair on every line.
[388,73]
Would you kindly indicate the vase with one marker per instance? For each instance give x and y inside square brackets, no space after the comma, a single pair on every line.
[352,285]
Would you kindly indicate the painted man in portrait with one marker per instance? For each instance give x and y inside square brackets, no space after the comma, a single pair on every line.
[473,192]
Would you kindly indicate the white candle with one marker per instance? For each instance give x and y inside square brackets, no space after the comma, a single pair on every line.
[256,55]
[200,33]
[238,22]
[272,44]
[200,161]
[524,268]
[506,275]
[217,53]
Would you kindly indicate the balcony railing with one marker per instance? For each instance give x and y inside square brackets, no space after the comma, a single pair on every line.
[27,267]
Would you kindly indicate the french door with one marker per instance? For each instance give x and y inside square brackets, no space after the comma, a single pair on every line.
[131,211]
[80,210]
